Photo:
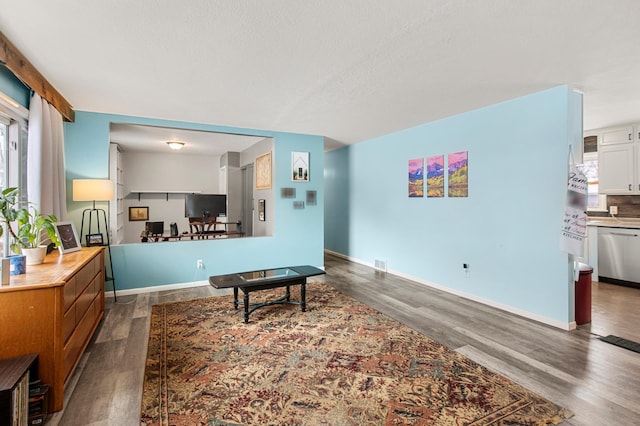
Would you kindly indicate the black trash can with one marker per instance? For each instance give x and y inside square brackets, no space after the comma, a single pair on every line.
[583,294]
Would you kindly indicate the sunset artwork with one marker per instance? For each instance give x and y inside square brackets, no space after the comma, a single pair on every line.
[435,176]
[458,174]
[416,178]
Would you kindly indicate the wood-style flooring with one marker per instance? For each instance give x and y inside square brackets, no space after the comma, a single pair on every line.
[597,381]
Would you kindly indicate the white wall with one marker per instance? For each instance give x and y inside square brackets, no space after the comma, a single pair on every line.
[165,172]
[171,172]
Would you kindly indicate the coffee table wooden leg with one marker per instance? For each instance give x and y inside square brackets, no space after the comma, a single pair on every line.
[303,297]
[246,307]
[235,298]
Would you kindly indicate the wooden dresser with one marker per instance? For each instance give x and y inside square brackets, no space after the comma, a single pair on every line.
[53,310]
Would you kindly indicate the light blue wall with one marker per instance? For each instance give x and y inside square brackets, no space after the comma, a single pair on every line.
[298,235]
[507,230]
[12,87]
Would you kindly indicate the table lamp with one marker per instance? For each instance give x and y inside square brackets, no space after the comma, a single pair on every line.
[94,190]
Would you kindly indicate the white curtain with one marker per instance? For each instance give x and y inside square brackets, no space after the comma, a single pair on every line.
[46,185]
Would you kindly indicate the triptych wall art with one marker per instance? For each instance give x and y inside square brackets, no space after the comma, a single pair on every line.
[458,177]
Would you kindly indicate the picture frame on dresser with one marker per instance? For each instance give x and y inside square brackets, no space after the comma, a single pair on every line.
[94,240]
[68,236]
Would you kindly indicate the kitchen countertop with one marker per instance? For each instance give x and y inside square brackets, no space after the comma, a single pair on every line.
[611,222]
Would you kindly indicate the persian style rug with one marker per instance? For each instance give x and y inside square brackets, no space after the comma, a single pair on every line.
[339,363]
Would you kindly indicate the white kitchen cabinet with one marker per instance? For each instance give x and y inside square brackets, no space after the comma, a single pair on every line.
[617,169]
[617,135]
[619,161]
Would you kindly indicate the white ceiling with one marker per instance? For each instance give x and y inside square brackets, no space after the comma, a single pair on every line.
[350,70]
[145,139]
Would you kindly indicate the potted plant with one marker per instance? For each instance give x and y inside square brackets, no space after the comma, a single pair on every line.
[30,225]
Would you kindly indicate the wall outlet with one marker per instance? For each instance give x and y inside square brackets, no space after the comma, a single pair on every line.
[199,264]
[613,209]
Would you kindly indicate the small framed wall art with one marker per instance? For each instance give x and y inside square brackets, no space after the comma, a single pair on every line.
[138,213]
[288,193]
[261,211]
[312,198]
[300,166]
[263,171]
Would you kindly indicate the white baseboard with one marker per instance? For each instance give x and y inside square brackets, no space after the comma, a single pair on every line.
[503,307]
[179,286]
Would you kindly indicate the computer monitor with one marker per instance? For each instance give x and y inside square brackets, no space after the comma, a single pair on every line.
[205,205]
[154,228]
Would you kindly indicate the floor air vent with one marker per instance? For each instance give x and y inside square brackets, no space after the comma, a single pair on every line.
[380,265]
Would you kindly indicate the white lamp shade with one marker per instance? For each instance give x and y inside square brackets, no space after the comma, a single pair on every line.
[92,190]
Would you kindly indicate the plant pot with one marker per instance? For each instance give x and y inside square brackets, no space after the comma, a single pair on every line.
[17,264]
[35,256]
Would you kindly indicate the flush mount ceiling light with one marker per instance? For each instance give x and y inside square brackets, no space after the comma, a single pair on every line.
[175,145]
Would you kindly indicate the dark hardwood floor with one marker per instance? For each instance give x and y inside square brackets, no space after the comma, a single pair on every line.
[599,382]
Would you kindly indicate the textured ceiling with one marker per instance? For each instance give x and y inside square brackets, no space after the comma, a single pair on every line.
[348,70]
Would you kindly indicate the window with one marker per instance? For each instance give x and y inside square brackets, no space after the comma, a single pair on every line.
[13,154]
[595,200]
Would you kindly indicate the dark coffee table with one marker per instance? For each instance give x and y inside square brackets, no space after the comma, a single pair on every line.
[267,279]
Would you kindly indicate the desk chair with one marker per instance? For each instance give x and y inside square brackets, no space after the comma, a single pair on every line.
[204,226]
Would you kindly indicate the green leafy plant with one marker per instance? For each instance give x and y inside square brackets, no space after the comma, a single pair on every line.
[29,221]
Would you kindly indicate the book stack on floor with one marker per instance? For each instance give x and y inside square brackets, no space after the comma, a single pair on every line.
[38,392]
[19,397]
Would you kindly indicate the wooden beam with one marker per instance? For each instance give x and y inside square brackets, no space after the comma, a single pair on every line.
[25,71]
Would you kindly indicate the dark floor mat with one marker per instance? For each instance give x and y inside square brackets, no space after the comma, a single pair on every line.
[623,343]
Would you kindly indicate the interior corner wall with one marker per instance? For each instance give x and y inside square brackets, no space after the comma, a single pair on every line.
[507,230]
[247,157]
[298,236]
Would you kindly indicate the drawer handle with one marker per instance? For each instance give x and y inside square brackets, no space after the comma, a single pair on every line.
[629,187]
[630,136]
[624,235]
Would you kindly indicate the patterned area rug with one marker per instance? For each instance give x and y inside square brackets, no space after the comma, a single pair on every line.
[340,363]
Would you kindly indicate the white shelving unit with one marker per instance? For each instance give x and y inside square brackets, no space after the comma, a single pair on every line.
[116,207]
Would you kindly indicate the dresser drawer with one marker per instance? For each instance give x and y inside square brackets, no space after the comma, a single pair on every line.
[80,337]
[69,293]
[97,265]
[68,323]
[84,277]
[84,300]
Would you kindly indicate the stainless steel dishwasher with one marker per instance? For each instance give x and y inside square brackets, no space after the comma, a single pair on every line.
[619,254]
